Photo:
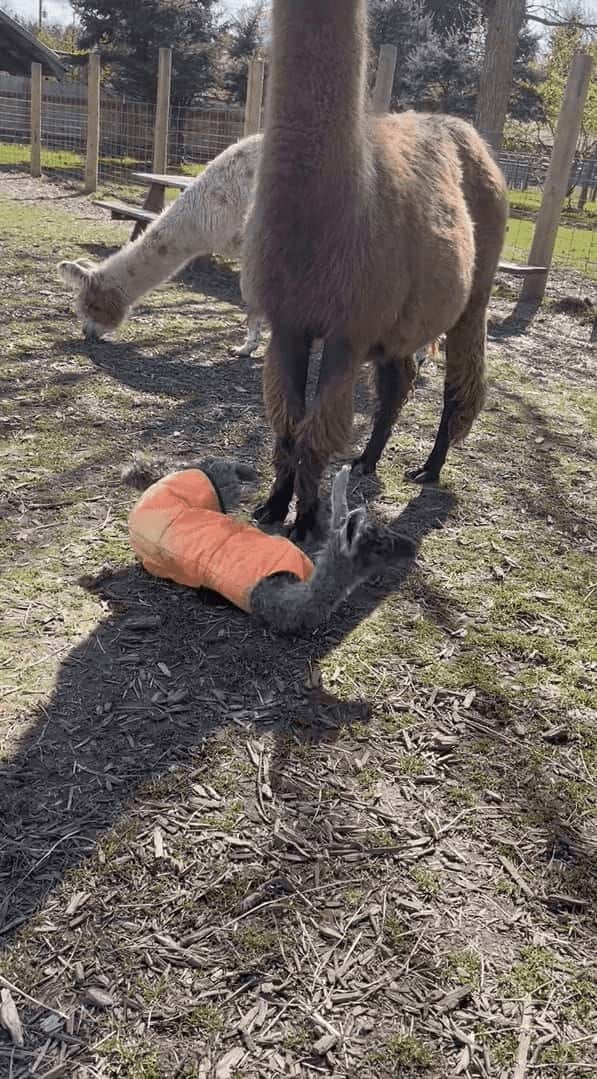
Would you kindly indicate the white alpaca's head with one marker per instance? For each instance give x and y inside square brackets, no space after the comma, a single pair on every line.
[101,307]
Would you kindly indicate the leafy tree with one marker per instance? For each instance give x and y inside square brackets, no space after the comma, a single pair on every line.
[460,17]
[525,103]
[563,43]
[442,75]
[409,26]
[59,38]
[129,34]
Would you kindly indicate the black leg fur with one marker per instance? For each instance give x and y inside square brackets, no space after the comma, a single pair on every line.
[284,385]
[393,380]
[430,472]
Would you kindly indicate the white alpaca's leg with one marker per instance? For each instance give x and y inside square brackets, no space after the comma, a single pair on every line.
[251,342]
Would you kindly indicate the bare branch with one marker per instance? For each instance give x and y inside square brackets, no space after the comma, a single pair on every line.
[550,16]
[560,22]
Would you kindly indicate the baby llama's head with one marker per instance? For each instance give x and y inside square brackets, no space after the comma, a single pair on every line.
[101,307]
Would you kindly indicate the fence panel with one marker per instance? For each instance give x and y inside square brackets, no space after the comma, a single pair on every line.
[126,141]
[15,127]
[197,135]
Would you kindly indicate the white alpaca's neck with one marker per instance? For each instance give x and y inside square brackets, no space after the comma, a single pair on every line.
[165,247]
[207,218]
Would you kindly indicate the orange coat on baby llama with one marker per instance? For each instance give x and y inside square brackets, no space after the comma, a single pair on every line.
[180,531]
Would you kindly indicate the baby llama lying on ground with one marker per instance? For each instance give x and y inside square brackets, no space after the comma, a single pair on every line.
[207,218]
[377,234]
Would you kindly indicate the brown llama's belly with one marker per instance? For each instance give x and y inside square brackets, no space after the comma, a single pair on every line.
[423,306]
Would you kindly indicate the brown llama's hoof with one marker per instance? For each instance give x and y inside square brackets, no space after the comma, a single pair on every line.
[422,475]
[306,526]
[272,512]
[363,466]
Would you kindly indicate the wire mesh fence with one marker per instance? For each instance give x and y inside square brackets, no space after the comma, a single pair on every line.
[64,120]
[126,142]
[198,134]
[15,127]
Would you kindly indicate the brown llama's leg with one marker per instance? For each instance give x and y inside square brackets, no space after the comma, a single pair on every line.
[324,431]
[394,380]
[464,388]
[284,381]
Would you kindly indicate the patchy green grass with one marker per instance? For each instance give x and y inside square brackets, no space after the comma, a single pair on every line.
[130,1061]
[530,201]
[404,1055]
[463,967]
[576,246]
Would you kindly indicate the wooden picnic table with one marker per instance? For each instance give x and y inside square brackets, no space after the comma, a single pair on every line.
[156,196]
[154,200]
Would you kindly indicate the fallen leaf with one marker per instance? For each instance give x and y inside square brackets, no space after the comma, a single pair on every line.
[98,997]
[230,1061]
[9,1018]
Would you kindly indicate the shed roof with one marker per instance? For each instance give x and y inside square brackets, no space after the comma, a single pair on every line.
[19,49]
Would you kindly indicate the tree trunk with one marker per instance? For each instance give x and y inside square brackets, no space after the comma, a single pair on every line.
[504,22]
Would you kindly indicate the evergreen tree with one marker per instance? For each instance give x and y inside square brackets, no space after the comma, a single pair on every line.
[129,34]
[242,39]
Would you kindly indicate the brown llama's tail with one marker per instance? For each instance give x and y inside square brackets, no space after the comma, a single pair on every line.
[465,370]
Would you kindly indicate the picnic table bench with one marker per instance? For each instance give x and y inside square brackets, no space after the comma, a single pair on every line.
[154,200]
[156,197]
[520,270]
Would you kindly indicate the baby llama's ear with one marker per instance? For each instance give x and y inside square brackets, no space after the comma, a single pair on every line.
[338,499]
[75,274]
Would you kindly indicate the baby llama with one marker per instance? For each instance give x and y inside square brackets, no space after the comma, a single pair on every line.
[377,234]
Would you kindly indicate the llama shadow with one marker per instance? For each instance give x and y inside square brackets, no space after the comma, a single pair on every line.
[174,373]
[149,691]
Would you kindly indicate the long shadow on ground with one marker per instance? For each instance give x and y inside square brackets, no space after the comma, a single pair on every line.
[160,675]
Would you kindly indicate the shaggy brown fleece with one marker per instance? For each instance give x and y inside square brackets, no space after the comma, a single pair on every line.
[378,234]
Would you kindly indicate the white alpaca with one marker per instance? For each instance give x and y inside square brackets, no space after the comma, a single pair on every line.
[207,218]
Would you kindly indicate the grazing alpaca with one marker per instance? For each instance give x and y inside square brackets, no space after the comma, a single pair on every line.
[377,234]
[208,217]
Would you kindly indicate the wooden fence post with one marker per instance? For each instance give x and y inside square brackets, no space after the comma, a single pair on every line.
[254,97]
[36,72]
[93,122]
[384,80]
[558,174]
[162,112]
[505,18]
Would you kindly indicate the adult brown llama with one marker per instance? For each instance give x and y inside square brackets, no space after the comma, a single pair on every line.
[377,234]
